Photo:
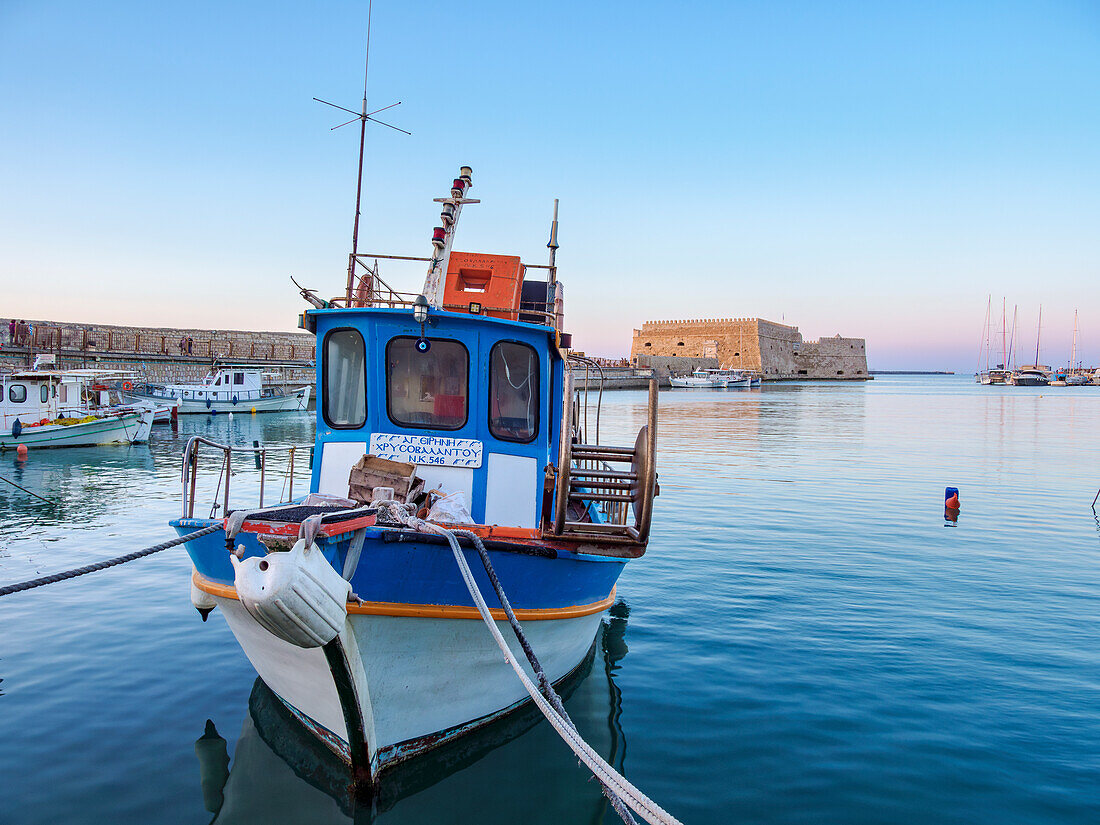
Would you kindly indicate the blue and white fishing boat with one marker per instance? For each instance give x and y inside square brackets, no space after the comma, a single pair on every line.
[357,619]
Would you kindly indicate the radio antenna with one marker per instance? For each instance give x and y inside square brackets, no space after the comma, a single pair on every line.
[362,116]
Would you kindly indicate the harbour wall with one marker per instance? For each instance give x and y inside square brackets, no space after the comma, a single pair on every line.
[155,351]
[776,351]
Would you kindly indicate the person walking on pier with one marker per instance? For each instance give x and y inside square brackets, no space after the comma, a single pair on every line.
[183,343]
[11,332]
[190,344]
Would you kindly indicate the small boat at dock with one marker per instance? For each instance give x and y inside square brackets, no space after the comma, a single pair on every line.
[698,380]
[1028,377]
[229,388]
[47,408]
[455,406]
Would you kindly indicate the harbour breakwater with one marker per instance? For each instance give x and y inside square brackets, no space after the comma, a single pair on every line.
[159,353]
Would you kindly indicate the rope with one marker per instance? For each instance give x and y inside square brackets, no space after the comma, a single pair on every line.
[103,565]
[649,810]
[544,683]
[49,500]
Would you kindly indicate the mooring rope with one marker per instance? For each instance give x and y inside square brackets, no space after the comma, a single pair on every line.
[103,565]
[544,683]
[649,810]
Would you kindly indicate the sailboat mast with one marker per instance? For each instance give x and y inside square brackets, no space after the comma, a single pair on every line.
[1012,338]
[1038,332]
[985,334]
[1073,349]
[1004,330]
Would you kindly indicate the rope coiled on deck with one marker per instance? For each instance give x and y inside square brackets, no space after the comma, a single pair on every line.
[103,565]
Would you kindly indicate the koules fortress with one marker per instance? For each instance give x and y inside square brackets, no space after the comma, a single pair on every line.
[776,351]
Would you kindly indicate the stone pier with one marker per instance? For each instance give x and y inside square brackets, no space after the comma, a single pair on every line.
[156,352]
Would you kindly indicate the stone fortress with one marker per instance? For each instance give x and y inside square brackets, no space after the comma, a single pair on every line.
[776,351]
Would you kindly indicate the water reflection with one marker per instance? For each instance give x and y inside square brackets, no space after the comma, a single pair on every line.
[514,770]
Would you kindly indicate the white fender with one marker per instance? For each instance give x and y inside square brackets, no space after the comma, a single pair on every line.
[296,595]
[200,598]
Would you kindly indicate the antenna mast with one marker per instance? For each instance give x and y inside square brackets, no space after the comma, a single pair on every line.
[365,293]
[359,182]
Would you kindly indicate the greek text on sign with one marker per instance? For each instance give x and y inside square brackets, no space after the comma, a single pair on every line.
[427,449]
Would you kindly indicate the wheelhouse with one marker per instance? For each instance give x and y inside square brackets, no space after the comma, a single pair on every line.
[476,409]
[469,381]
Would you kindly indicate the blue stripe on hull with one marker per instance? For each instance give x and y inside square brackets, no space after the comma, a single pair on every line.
[425,573]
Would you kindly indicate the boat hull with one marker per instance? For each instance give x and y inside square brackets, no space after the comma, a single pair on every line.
[296,401]
[421,682]
[695,383]
[132,428]
[424,668]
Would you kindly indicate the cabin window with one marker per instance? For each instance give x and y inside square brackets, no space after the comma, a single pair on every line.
[427,389]
[17,393]
[345,392]
[513,392]
[45,393]
[218,383]
[238,378]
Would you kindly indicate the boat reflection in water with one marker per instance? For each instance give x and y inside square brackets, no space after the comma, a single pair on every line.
[513,769]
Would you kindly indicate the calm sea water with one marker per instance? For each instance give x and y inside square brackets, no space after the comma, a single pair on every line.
[806,640]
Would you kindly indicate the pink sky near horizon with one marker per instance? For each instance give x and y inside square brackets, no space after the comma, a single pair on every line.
[875,171]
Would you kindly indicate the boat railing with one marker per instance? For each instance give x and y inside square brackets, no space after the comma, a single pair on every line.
[283,471]
[366,288]
[616,481]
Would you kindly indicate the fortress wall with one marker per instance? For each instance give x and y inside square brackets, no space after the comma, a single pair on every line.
[775,350]
[734,342]
[837,357]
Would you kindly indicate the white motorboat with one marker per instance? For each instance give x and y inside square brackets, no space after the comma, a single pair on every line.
[106,389]
[42,409]
[1028,377]
[230,388]
[733,379]
[699,380]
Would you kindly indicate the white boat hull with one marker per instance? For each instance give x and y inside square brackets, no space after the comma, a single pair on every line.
[131,428]
[296,401]
[696,383]
[420,681]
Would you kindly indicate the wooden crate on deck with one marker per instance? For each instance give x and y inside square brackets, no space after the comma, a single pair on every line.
[372,471]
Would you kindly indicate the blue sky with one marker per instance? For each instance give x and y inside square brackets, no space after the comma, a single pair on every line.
[872,169]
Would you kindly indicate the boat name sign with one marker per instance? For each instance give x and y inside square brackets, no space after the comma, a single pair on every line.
[427,449]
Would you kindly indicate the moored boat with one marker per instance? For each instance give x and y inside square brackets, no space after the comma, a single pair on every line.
[230,388]
[45,409]
[734,379]
[698,380]
[1028,377]
[456,405]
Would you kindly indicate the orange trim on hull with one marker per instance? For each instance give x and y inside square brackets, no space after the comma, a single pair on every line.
[432,611]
